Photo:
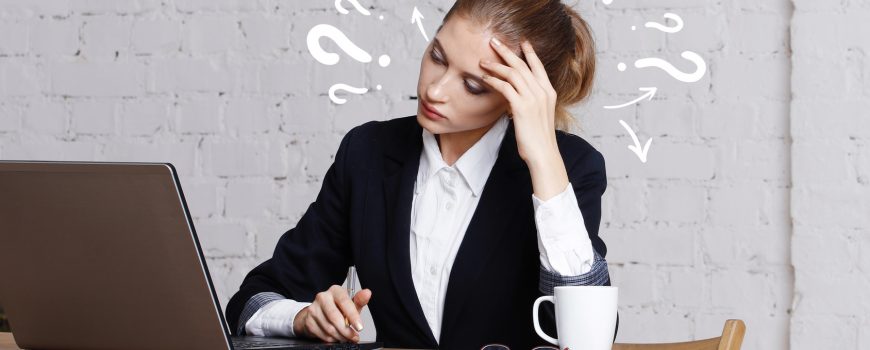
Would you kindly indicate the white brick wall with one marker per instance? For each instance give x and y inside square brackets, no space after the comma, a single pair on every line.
[753,203]
[700,233]
[830,200]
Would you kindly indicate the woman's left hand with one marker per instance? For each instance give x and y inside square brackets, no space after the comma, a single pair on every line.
[532,99]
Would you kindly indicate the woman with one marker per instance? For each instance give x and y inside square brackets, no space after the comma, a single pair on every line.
[457,218]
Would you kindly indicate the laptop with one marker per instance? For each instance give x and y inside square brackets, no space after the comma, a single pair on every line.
[105,256]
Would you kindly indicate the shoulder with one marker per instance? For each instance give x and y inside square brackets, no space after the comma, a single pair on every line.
[362,142]
[576,151]
[382,130]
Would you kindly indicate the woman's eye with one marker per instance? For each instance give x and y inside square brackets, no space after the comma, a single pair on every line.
[470,89]
[435,58]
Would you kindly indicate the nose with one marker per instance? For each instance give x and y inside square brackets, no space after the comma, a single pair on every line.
[438,89]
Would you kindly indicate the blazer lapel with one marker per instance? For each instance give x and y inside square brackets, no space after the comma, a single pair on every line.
[501,195]
[401,165]
[508,185]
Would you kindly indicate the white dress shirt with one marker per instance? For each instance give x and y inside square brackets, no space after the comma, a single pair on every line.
[445,198]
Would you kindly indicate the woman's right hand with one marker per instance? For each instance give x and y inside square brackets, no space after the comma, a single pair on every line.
[324,319]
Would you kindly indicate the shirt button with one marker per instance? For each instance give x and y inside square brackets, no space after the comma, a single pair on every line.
[449,205]
[433,270]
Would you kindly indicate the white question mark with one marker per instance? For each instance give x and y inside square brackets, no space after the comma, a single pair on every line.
[355,4]
[338,100]
[329,58]
[670,69]
[671,16]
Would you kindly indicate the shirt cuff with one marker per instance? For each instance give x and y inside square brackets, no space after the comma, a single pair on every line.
[563,241]
[598,276]
[275,319]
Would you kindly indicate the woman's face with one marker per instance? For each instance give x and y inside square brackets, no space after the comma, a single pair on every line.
[450,80]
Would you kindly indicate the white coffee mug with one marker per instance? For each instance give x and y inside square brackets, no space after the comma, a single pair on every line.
[585,316]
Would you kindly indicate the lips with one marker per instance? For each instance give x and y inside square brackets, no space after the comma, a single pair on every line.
[432,110]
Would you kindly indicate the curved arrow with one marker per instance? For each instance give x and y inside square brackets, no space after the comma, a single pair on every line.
[650,92]
[417,17]
[640,152]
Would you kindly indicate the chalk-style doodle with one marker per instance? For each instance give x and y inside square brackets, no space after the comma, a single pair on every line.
[650,92]
[337,36]
[355,4]
[640,152]
[417,17]
[671,16]
[331,58]
[686,77]
[700,70]
[338,100]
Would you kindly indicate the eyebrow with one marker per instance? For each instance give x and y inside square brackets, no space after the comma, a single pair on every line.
[470,75]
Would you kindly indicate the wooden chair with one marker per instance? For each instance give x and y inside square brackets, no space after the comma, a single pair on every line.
[731,339]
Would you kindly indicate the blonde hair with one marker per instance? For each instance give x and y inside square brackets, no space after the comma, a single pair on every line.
[554,29]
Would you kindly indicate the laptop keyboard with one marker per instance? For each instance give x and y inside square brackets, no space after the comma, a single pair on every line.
[254,344]
[261,344]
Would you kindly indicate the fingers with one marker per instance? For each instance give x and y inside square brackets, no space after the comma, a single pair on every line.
[312,328]
[362,298]
[539,71]
[338,313]
[352,308]
[505,73]
[535,63]
[332,322]
[329,319]
[513,72]
[526,79]
[325,317]
[505,88]
[349,310]
[536,86]
[509,56]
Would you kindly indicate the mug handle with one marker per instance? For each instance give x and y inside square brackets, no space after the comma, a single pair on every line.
[538,329]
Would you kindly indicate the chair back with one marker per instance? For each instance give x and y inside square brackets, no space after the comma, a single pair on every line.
[731,339]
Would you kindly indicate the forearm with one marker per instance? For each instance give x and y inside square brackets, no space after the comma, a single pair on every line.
[254,304]
[549,176]
[568,220]
[563,240]
[270,314]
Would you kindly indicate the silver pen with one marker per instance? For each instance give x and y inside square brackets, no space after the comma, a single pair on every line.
[351,290]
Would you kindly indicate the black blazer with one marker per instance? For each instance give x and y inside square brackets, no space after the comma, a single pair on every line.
[362,217]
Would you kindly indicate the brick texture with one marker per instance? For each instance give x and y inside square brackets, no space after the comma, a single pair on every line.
[753,202]
[830,199]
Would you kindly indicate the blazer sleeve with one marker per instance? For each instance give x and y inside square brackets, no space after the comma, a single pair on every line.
[588,177]
[309,257]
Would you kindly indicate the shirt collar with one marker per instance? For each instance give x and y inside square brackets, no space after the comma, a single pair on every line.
[474,165]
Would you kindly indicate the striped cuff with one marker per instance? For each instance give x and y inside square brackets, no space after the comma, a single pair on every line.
[255,303]
[598,276]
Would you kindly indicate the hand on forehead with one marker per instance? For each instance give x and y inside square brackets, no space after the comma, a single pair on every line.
[461,37]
